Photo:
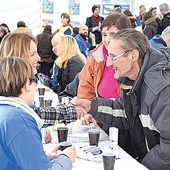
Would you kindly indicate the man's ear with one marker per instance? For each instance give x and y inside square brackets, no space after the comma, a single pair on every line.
[135,55]
[168,42]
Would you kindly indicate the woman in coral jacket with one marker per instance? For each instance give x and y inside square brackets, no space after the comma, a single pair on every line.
[95,77]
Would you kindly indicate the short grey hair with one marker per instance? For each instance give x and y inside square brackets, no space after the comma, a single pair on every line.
[164,7]
[133,40]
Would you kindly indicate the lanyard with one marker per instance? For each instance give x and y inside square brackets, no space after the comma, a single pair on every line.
[84,42]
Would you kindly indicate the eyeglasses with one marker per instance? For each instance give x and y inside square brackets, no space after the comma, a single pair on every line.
[112,57]
[34,80]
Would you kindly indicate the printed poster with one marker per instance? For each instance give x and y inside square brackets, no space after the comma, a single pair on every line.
[74,7]
[107,5]
[48,6]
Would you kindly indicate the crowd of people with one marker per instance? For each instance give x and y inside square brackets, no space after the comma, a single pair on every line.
[113,74]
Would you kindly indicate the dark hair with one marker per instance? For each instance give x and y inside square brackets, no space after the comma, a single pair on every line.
[94,7]
[146,16]
[133,40]
[76,30]
[21,24]
[127,13]
[118,20]
[48,28]
[6,26]
[118,6]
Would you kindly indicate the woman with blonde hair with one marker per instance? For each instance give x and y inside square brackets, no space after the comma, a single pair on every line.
[70,60]
[21,45]
[24,46]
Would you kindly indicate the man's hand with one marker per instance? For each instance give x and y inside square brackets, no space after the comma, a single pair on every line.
[80,111]
[92,36]
[86,104]
[95,28]
[87,119]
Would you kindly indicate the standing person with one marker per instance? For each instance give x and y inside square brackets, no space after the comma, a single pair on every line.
[3,32]
[144,105]
[70,61]
[6,26]
[151,25]
[117,9]
[66,27]
[21,146]
[44,49]
[129,14]
[153,10]
[94,23]
[142,9]
[82,40]
[22,28]
[165,11]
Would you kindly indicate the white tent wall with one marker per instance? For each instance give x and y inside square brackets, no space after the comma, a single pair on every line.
[30,11]
[12,11]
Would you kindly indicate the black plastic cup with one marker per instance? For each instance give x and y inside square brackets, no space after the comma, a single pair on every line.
[47,103]
[94,135]
[41,101]
[64,145]
[62,134]
[109,161]
[41,91]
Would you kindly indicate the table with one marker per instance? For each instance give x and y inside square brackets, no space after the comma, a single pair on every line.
[125,161]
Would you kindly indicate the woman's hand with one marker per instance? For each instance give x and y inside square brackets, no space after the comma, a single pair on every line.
[53,153]
[71,153]
[48,137]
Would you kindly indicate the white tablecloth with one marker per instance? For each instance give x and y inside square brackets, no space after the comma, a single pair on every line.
[125,161]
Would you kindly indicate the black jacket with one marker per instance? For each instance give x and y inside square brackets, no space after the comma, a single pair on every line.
[91,23]
[151,28]
[144,110]
[44,47]
[67,75]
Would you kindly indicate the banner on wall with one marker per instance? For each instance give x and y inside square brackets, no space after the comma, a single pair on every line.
[107,5]
[74,7]
[48,6]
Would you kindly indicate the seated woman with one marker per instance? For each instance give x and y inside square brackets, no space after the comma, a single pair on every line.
[70,60]
[21,146]
[24,46]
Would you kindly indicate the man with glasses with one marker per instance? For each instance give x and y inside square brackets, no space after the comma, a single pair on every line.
[144,104]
